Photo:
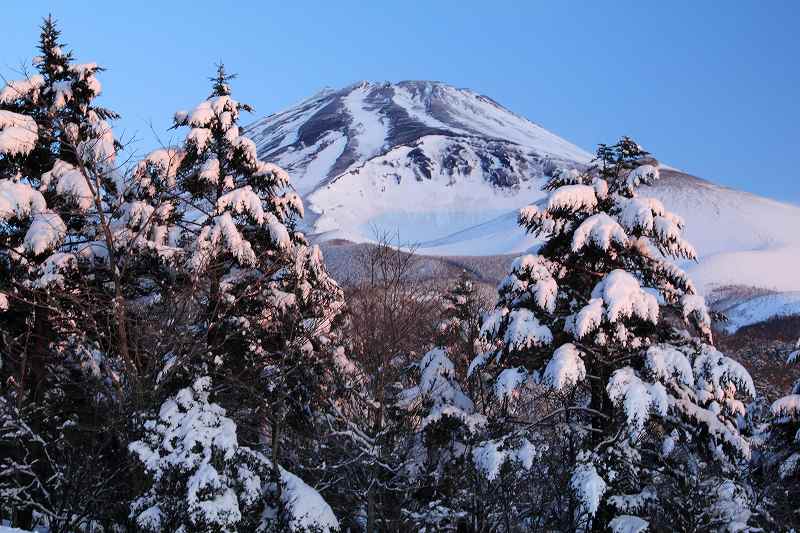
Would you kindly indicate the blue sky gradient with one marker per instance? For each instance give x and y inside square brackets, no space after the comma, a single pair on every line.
[710,87]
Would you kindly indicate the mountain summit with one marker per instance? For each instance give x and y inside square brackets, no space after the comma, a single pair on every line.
[433,160]
[447,169]
[345,128]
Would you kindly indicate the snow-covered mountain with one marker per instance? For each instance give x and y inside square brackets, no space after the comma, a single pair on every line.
[447,169]
[422,157]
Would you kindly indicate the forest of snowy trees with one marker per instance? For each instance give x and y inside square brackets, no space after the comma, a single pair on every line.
[175,356]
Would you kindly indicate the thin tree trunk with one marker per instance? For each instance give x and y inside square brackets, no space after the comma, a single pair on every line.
[276,442]
[371,510]
[119,300]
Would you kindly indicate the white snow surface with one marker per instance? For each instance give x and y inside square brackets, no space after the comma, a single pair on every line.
[386,195]
[346,145]
[742,240]
[759,308]
[636,397]
[371,127]
[628,524]
[624,297]
[667,364]
[599,230]
[18,133]
[588,486]
[508,381]
[565,368]
[524,331]
[309,509]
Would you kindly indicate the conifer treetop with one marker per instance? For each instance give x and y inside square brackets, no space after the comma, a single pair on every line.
[54,140]
[221,86]
[54,58]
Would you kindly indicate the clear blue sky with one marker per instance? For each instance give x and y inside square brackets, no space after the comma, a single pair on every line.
[708,86]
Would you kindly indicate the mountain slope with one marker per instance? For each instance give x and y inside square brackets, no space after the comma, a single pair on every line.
[447,169]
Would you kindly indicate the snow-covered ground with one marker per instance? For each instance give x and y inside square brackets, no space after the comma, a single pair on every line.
[759,308]
[442,214]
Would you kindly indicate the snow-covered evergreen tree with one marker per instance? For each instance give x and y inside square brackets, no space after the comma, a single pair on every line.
[270,306]
[263,319]
[58,185]
[445,419]
[599,317]
[236,225]
[60,347]
[57,141]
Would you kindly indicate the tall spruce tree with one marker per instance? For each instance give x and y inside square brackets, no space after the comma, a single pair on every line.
[59,359]
[269,304]
[265,311]
[599,316]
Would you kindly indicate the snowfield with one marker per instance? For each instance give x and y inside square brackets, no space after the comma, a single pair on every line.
[445,171]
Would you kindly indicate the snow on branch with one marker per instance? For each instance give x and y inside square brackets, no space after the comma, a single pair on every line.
[572,198]
[588,486]
[525,331]
[623,297]
[18,133]
[531,277]
[25,89]
[566,368]
[600,231]
[641,175]
[637,398]
[667,364]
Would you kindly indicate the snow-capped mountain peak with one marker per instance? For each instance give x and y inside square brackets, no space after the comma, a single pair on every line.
[337,130]
[431,158]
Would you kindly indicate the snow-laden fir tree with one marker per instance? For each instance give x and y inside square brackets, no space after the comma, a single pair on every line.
[236,224]
[58,343]
[51,129]
[264,309]
[603,318]
[270,305]
[57,177]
